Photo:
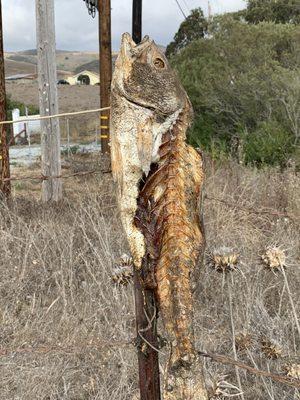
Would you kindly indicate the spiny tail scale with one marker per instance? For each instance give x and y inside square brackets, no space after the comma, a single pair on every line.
[169,202]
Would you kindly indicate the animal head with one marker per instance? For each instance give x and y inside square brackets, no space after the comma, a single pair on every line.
[144,77]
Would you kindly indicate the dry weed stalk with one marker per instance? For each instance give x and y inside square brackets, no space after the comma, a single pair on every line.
[225,260]
[219,389]
[275,259]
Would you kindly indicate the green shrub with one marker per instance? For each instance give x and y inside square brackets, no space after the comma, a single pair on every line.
[268,144]
[201,134]
[239,91]
[12,104]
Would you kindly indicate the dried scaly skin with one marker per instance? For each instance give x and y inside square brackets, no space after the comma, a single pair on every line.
[169,209]
[159,179]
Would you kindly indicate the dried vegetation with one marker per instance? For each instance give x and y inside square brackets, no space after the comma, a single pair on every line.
[65,326]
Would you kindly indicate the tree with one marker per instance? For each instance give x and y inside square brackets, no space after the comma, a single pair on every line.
[238,86]
[278,11]
[192,28]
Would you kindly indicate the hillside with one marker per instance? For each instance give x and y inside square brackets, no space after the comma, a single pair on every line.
[66,60]
[93,65]
[74,61]
[18,67]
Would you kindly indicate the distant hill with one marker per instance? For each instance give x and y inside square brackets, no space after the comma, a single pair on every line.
[24,62]
[66,60]
[21,58]
[18,67]
[33,52]
[93,66]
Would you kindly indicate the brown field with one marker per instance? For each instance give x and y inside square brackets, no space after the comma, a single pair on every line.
[71,98]
[65,327]
[66,60]
[17,67]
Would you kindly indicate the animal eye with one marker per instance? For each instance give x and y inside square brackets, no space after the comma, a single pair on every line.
[159,63]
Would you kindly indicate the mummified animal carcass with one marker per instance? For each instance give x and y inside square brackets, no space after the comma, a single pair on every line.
[159,179]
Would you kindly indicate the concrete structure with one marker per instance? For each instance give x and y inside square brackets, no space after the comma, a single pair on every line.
[84,78]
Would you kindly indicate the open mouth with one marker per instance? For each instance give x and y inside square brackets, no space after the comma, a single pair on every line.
[138,104]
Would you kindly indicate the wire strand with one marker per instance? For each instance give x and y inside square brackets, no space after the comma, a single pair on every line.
[54,116]
[181,9]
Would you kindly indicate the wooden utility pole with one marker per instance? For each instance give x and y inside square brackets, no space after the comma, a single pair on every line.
[4,155]
[50,135]
[145,304]
[105,69]
[137,21]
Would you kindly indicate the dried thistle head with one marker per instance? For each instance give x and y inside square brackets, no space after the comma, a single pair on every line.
[224,259]
[123,271]
[274,258]
[293,370]
[244,341]
[219,388]
[270,349]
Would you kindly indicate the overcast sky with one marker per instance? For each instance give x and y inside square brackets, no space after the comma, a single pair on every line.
[76,30]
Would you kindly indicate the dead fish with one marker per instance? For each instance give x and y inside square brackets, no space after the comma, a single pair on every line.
[159,180]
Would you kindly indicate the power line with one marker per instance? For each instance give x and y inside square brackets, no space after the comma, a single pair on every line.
[180,8]
[187,6]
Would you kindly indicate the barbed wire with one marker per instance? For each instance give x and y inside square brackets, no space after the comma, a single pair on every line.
[250,210]
[93,344]
[286,380]
[100,344]
[47,178]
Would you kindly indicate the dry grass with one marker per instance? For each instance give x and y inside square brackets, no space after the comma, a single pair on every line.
[60,310]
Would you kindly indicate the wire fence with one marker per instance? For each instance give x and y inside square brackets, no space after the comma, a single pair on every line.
[229,204]
[257,211]
[78,135]
[101,344]
[39,118]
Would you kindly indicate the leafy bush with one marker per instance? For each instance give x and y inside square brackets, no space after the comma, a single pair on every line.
[268,144]
[235,91]
[12,104]
[201,135]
